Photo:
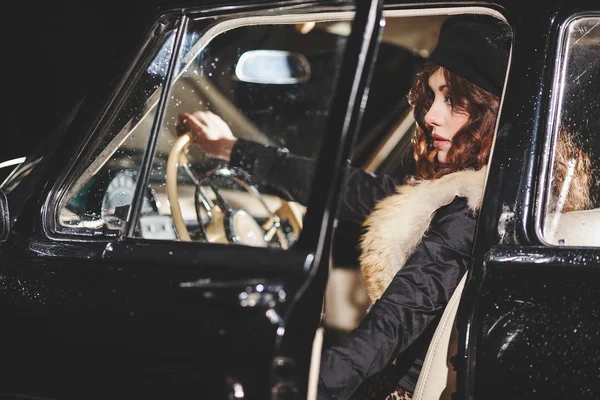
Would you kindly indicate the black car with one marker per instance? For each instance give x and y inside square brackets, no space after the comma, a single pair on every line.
[134,266]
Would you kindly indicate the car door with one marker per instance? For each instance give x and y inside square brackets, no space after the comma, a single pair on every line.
[529,314]
[103,293]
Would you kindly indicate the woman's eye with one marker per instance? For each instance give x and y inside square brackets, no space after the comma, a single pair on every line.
[449,100]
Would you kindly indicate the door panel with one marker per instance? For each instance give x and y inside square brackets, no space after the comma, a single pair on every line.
[530,311]
[538,337]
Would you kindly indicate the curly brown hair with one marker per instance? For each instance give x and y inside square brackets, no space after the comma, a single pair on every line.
[572,166]
[471,145]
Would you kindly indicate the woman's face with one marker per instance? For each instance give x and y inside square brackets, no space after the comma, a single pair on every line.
[444,122]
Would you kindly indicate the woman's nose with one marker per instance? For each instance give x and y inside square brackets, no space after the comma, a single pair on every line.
[432,116]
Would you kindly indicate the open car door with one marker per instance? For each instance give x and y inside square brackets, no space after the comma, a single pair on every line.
[143,267]
[529,315]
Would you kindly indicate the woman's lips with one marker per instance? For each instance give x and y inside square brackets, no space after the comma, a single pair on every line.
[439,141]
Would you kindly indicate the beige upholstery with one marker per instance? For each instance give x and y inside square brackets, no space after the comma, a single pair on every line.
[438,379]
[315,361]
[346,299]
[576,228]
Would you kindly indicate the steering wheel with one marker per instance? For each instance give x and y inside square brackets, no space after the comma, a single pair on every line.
[226,224]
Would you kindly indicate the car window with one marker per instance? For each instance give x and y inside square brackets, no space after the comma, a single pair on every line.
[98,198]
[572,216]
[270,79]
[268,83]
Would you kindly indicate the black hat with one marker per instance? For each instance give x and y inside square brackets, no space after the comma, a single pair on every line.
[476,48]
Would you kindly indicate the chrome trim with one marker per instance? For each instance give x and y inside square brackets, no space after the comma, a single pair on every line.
[235,389]
[14,161]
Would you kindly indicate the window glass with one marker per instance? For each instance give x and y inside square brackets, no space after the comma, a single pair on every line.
[271,80]
[100,196]
[268,83]
[572,216]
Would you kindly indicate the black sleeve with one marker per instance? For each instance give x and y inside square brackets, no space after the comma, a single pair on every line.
[415,297]
[362,191]
[289,174]
[292,176]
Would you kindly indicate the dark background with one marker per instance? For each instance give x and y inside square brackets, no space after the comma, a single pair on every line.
[52,52]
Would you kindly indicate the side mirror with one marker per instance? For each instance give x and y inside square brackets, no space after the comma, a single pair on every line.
[274,67]
[4,217]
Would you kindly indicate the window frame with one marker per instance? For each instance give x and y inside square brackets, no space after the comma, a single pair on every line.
[551,128]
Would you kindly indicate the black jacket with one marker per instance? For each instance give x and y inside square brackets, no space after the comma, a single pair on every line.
[400,324]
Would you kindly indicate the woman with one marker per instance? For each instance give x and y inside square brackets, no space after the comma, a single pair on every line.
[418,238]
[418,241]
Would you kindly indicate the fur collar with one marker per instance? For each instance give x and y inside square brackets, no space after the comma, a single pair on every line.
[398,222]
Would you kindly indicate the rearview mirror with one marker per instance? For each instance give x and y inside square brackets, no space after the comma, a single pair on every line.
[275,67]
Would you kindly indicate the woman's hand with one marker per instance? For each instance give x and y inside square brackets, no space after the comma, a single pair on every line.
[210,132]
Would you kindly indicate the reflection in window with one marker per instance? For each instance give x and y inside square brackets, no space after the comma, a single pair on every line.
[572,216]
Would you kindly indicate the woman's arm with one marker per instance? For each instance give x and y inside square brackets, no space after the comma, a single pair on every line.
[415,297]
[290,174]
[293,175]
